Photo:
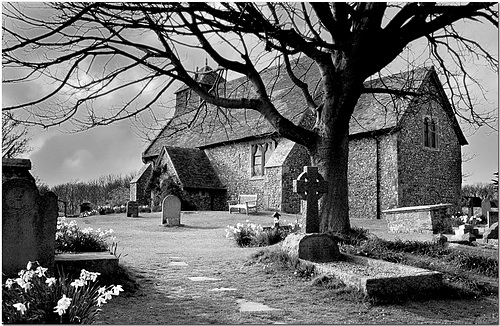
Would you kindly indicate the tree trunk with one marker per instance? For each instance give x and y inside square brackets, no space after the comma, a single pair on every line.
[330,153]
[331,158]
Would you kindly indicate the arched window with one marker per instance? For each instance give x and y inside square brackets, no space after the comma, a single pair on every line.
[260,153]
[430,133]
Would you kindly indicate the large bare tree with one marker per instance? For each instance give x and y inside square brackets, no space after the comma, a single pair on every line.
[87,52]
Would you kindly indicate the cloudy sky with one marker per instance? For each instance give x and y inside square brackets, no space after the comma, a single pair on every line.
[60,157]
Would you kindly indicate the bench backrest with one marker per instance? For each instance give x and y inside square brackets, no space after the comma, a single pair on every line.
[245,198]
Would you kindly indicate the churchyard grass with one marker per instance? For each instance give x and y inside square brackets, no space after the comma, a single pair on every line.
[166,295]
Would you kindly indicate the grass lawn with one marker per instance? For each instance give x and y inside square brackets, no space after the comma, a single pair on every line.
[166,295]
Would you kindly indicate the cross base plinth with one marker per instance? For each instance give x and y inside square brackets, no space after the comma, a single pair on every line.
[315,247]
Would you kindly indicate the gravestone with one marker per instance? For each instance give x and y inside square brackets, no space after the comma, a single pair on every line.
[311,246]
[171,211]
[310,185]
[29,219]
[132,209]
[491,232]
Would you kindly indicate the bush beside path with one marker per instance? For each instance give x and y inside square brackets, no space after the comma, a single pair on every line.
[163,259]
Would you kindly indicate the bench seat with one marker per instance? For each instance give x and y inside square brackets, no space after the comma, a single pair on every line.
[246,202]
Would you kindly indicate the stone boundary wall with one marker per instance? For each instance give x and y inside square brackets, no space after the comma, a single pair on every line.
[418,219]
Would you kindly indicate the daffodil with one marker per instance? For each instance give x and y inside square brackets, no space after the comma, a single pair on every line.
[78,283]
[62,305]
[50,281]
[20,307]
[117,289]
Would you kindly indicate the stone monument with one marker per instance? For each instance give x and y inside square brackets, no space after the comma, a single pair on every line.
[312,245]
[171,211]
[132,209]
[29,219]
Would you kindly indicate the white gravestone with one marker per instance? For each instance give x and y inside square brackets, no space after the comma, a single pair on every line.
[171,211]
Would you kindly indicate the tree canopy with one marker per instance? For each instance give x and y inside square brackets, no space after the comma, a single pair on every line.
[86,52]
[103,62]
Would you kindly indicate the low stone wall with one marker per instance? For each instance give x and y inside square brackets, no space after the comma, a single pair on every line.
[421,219]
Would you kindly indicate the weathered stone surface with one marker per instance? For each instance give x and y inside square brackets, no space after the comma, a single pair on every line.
[380,278]
[132,209]
[312,247]
[28,219]
[171,211]
[420,219]
[311,186]
[101,262]
[491,232]
[467,237]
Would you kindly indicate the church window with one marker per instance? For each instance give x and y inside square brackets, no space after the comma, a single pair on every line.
[260,154]
[430,133]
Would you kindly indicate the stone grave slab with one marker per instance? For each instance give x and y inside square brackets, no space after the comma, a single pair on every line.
[29,219]
[380,278]
[249,306]
[171,211]
[72,264]
[491,232]
[132,209]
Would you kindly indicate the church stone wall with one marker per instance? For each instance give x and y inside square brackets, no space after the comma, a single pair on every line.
[232,164]
[428,176]
[362,178]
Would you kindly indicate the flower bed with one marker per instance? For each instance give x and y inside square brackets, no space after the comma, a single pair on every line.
[70,238]
[35,298]
[255,235]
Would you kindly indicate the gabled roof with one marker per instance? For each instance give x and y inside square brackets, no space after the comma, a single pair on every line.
[214,125]
[193,168]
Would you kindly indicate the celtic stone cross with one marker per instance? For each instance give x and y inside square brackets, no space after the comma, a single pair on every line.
[310,185]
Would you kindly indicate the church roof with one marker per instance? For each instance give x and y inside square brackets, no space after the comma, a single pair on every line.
[193,168]
[215,125]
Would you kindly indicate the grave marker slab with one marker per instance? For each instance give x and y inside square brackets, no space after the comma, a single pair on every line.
[28,219]
[310,185]
[171,211]
[132,209]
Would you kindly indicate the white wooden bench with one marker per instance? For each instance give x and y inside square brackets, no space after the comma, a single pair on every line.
[246,202]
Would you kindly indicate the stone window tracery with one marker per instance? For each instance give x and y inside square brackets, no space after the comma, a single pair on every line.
[259,154]
[430,133]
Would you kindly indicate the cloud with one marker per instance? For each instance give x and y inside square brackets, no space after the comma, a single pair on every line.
[87,155]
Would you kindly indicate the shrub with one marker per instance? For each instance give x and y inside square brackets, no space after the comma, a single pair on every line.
[35,298]
[70,238]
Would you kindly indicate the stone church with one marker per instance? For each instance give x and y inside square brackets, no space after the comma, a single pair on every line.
[402,152]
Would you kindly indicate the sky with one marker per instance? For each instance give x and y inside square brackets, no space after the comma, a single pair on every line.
[59,157]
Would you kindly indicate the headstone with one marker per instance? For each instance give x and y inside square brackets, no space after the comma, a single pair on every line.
[491,232]
[310,185]
[85,207]
[29,219]
[132,209]
[485,207]
[315,247]
[171,211]
[492,216]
